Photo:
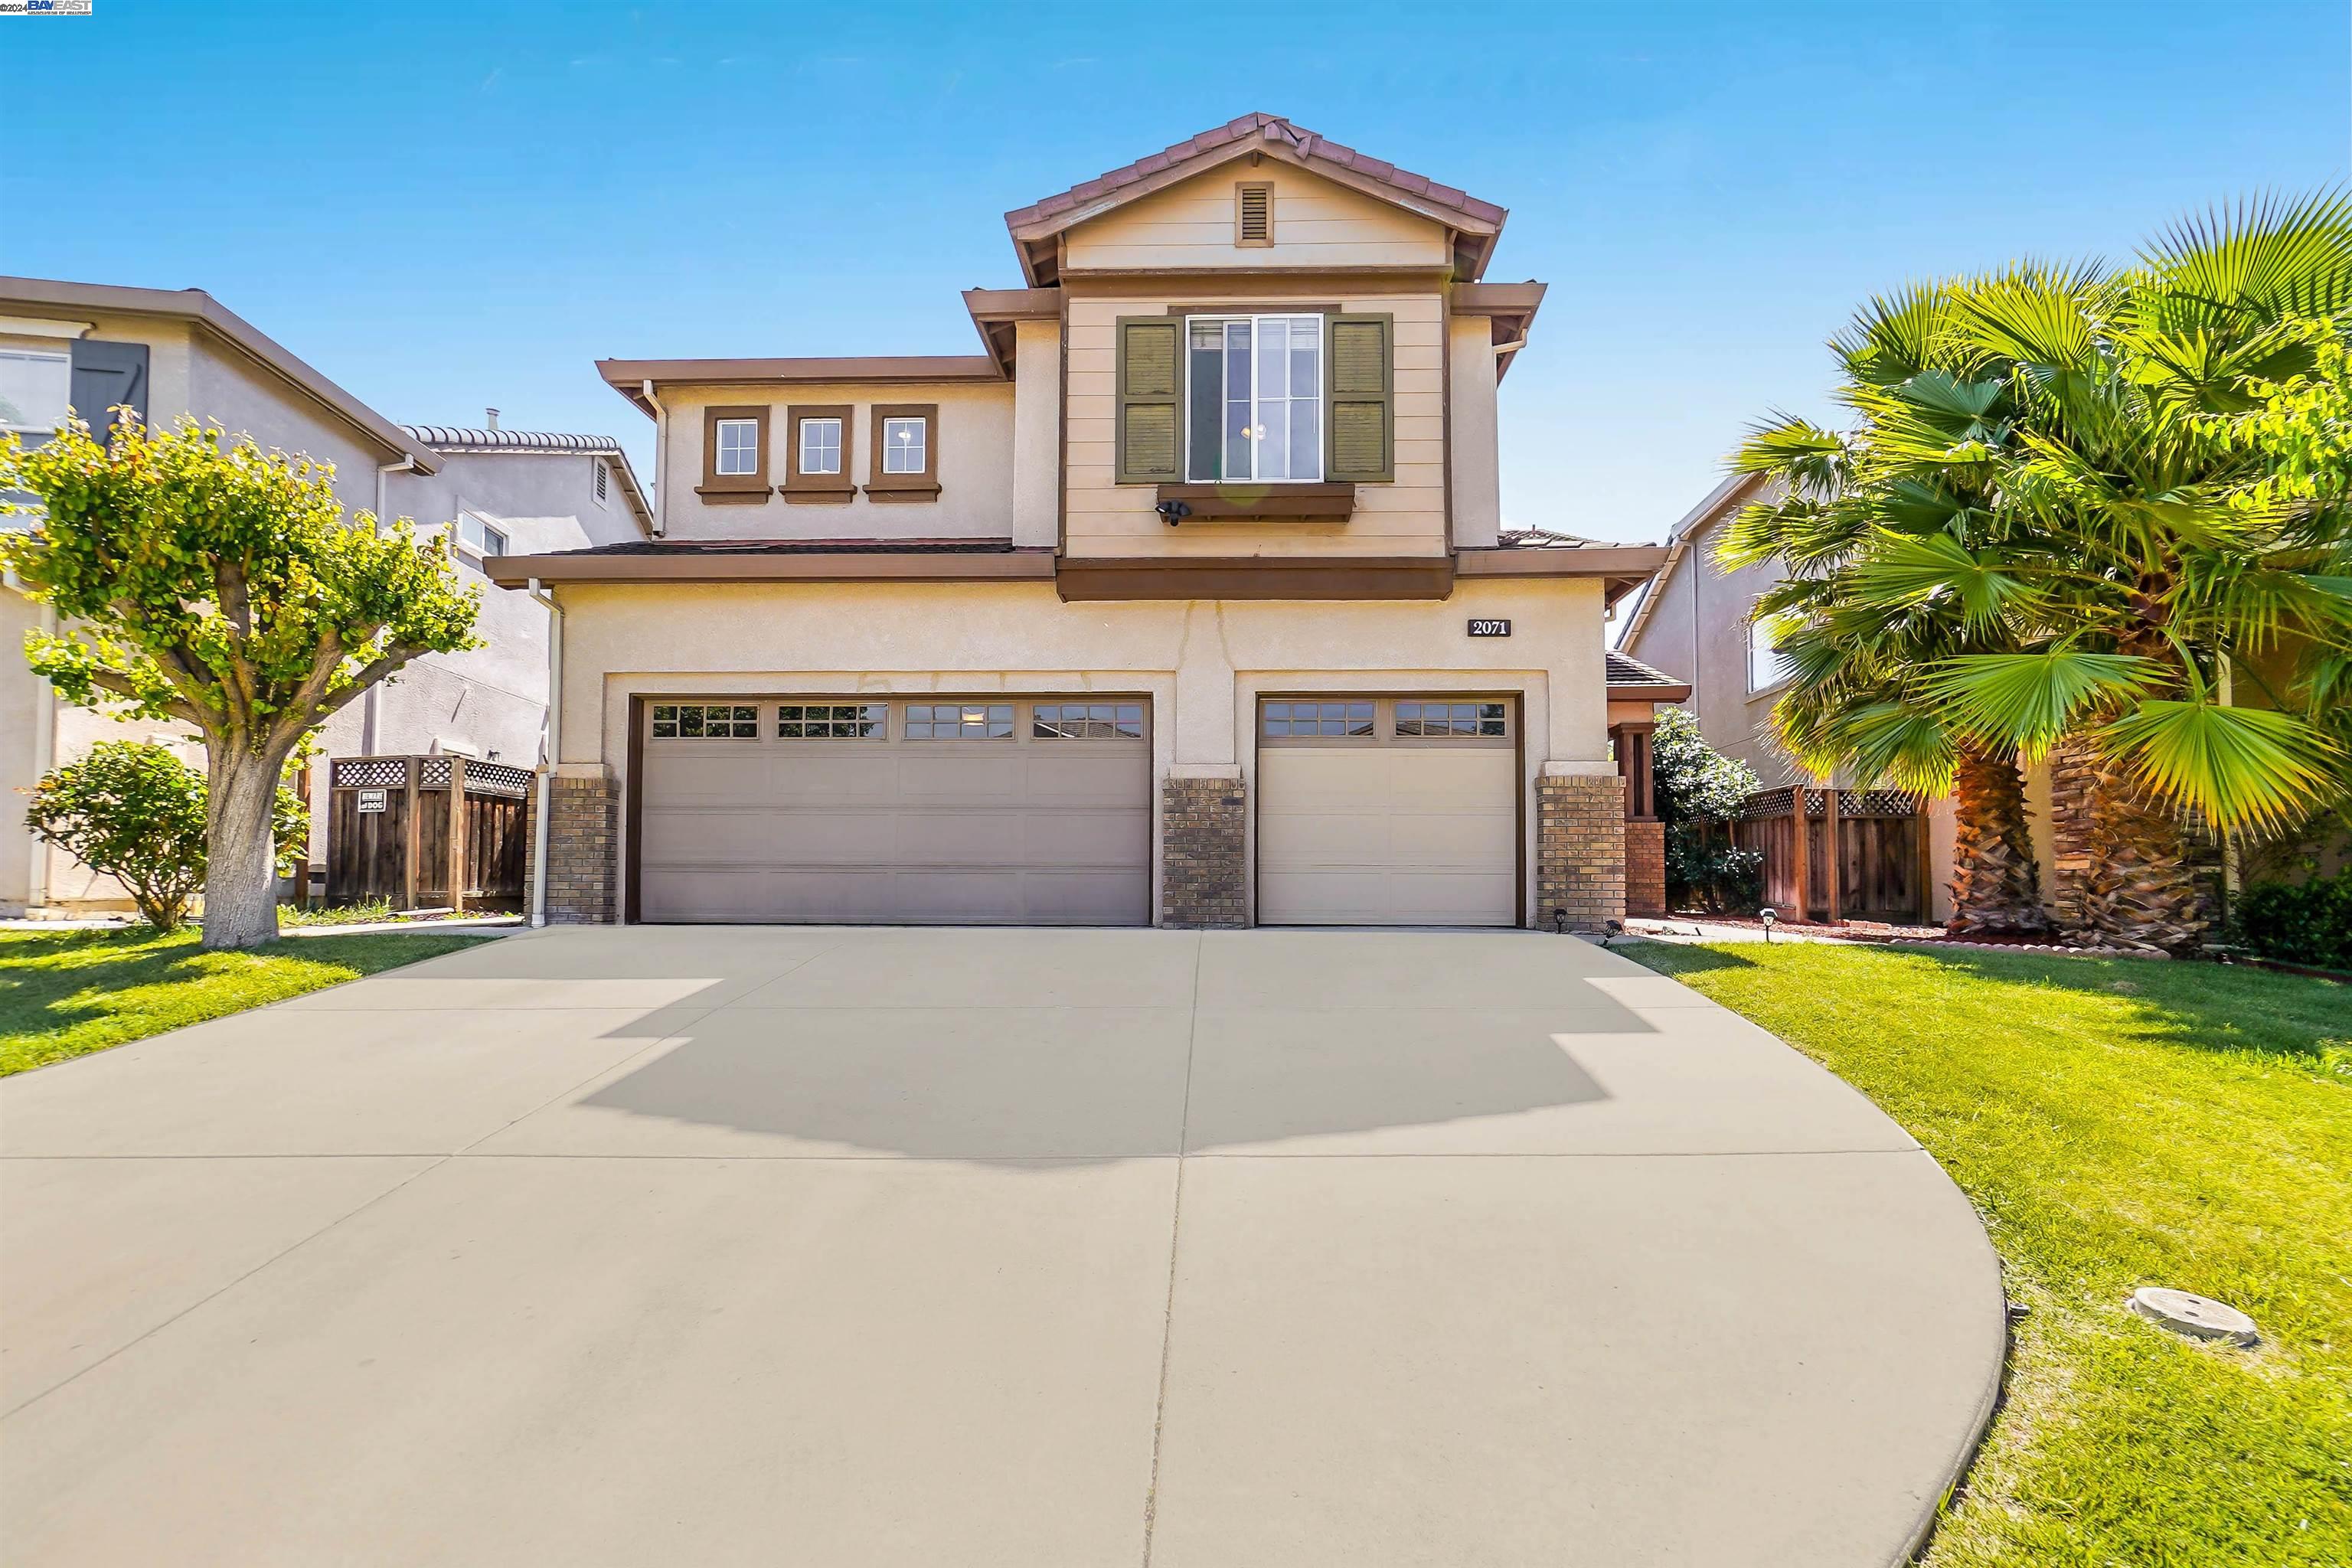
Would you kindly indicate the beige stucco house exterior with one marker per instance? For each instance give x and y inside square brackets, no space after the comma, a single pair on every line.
[1187,600]
[168,352]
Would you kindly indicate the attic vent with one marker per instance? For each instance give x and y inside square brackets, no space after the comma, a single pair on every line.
[599,480]
[1254,213]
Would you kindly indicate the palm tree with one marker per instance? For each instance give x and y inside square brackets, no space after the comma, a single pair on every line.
[1844,506]
[2135,556]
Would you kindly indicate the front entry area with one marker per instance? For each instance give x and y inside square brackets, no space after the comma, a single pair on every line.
[984,811]
[1395,810]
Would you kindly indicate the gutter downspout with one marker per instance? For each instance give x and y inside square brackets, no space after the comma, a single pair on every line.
[369,705]
[555,729]
[661,460]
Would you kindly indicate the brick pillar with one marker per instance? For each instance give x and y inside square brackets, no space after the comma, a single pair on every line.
[1580,848]
[583,851]
[1202,834]
[1645,867]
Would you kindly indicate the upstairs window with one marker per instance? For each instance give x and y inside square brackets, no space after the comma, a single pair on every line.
[1253,398]
[821,446]
[34,389]
[739,446]
[1768,666]
[904,444]
[479,537]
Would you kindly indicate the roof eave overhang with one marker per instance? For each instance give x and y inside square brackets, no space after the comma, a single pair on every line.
[997,312]
[1510,311]
[630,377]
[1646,693]
[811,566]
[233,331]
[1621,568]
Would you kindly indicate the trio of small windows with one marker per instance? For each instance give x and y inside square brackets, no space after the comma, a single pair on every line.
[817,447]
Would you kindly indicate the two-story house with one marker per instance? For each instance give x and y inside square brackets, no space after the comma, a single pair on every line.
[89,348]
[1185,601]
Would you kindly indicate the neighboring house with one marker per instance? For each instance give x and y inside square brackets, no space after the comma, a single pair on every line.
[166,352]
[1694,618]
[1186,601]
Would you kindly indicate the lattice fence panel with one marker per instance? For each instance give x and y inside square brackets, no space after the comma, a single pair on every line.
[496,778]
[373,773]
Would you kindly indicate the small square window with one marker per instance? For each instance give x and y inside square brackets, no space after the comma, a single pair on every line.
[906,443]
[820,446]
[739,446]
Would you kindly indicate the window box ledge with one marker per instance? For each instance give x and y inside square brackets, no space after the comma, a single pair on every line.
[1331,502]
[918,492]
[831,493]
[726,494]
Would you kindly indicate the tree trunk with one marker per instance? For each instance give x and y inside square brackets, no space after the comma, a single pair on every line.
[2072,771]
[2143,888]
[1995,884]
[240,851]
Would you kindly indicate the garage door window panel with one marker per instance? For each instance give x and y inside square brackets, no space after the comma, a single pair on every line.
[959,721]
[705,722]
[1454,722]
[833,721]
[1087,721]
[1299,720]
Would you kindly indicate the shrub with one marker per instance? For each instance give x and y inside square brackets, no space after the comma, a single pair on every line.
[1693,784]
[1714,877]
[135,812]
[2299,922]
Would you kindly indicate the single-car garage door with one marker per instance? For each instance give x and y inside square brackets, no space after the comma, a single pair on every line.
[1387,811]
[990,812]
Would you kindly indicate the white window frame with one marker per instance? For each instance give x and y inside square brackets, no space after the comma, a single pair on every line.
[1766,658]
[802,435]
[1257,373]
[44,356]
[749,451]
[491,533]
[892,450]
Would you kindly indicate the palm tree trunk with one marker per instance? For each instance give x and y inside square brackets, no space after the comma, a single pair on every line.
[2143,888]
[1995,884]
[2071,769]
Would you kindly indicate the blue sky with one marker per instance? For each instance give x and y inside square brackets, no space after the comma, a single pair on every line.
[445,205]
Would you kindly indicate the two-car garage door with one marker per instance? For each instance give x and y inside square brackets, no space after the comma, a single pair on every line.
[986,812]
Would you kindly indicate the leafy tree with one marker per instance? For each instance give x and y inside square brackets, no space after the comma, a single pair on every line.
[1692,784]
[2109,538]
[222,586]
[135,812]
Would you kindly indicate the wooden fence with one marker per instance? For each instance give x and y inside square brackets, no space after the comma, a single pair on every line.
[1840,854]
[428,833]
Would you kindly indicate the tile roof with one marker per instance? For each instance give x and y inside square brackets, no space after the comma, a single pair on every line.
[1626,670]
[1307,145]
[453,439]
[1547,538]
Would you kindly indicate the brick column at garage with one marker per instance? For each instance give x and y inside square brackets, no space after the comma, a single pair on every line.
[1203,851]
[1579,847]
[583,850]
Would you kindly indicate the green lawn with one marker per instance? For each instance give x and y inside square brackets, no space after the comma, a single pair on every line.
[67,994]
[2117,1123]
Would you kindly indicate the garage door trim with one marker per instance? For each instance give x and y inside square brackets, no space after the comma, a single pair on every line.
[1521,786]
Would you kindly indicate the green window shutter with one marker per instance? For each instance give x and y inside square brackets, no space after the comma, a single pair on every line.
[1149,434]
[1362,440]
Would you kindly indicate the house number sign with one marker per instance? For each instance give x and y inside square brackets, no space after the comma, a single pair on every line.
[1484,628]
[371,800]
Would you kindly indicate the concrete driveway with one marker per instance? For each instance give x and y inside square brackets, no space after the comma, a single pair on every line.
[946,1247]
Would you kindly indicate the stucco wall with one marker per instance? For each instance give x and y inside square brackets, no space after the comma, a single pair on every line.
[1476,469]
[1203,664]
[1403,518]
[976,464]
[1317,223]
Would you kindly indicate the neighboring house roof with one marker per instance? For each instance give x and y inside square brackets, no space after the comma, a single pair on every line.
[46,296]
[1629,677]
[1476,223]
[457,441]
[1720,502]
[781,560]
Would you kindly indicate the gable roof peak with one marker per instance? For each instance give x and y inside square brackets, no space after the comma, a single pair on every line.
[1034,227]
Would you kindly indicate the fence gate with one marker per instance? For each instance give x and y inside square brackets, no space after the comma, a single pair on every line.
[427,833]
[1840,853]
